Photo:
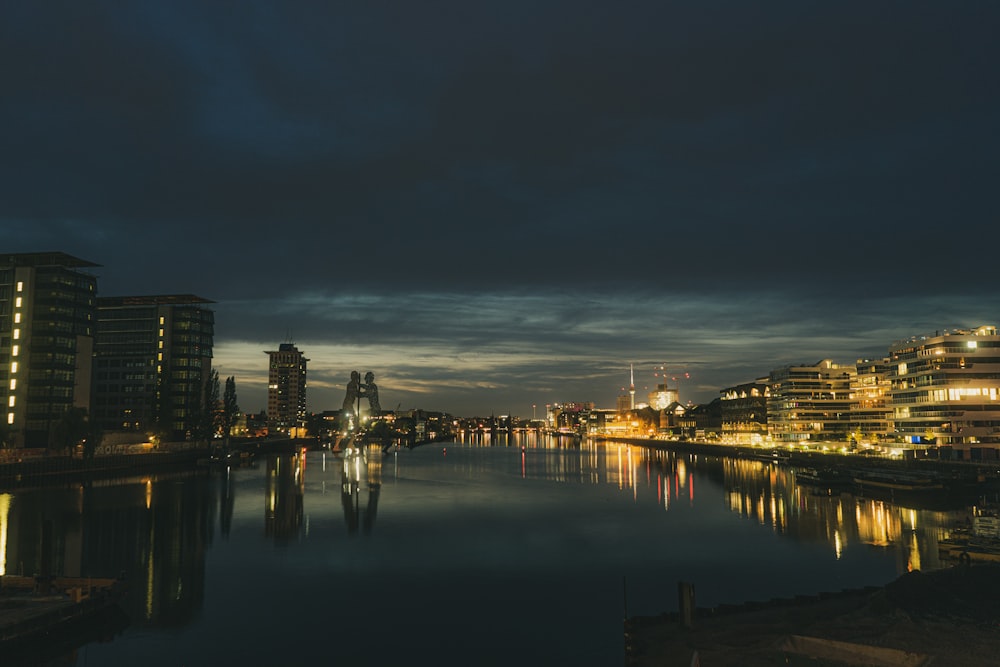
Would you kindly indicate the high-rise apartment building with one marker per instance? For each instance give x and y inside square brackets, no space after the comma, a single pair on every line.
[946,387]
[810,402]
[153,360]
[46,342]
[286,388]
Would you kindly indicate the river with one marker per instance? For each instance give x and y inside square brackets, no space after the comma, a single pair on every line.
[526,551]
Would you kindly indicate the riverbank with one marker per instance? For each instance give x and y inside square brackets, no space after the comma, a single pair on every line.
[19,472]
[924,482]
[948,617]
[44,619]
[810,457]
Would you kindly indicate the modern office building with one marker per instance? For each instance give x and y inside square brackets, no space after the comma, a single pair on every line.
[945,387]
[810,402]
[152,363]
[47,303]
[744,412]
[286,389]
[871,412]
[663,396]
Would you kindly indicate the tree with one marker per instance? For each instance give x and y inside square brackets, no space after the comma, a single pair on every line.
[70,429]
[95,434]
[230,408]
[205,421]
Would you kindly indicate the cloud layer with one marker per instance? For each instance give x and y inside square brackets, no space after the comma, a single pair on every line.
[552,190]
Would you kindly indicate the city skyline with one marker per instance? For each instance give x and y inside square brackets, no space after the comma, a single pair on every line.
[721,190]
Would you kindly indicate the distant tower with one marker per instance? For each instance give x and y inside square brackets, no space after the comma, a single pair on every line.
[286,388]
[631,388]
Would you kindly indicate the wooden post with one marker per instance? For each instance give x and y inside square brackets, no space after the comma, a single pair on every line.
[685,595]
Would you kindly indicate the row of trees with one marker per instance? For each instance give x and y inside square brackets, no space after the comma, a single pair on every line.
[217,417]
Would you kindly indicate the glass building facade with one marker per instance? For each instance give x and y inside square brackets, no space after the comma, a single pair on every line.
[945,387]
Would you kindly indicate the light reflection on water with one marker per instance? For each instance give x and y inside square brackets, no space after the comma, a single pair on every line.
[486,552]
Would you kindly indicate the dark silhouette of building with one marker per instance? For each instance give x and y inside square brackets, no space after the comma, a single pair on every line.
[153,360]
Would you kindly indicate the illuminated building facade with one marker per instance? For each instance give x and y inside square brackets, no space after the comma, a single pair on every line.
[286,389]
[871,412]
[569,415]
[152,362]
[663,396]
[744,412]
[810,402]
[47,303]
[946,387]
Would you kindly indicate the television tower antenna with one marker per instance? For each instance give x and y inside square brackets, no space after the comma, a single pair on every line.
[631,387]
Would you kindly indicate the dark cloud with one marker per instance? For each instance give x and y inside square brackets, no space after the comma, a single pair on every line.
[577,171]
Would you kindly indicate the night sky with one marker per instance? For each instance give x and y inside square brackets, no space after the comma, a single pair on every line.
[492,205]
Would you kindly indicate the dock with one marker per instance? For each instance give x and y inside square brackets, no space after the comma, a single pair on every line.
[39,615]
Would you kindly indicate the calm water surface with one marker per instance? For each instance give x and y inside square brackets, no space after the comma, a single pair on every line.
[457,554]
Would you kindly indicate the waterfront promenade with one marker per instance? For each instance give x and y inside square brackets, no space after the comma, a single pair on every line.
[816,458]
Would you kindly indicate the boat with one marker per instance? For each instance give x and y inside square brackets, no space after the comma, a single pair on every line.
[826,478]
[773,456]
[897,481]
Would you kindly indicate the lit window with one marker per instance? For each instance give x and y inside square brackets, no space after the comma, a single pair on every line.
[159,356]
[10,417]
[17,302]
[17,318]
[20,286]
[161,319]
[161,344]
[971,344]
[13,384]
[17,334]
[10,402]
[13,367]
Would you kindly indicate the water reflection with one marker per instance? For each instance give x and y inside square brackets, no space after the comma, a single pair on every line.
[284,497]
[760,491]
[361,467]
[159,530]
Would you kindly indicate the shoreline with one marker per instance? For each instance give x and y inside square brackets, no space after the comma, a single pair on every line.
[946,616]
